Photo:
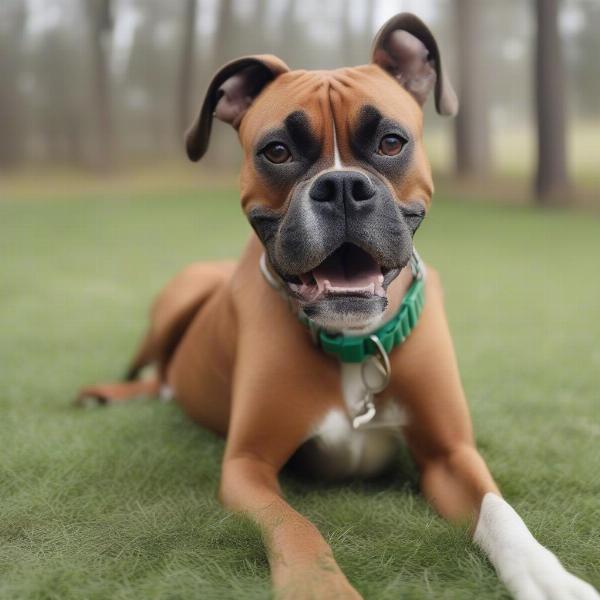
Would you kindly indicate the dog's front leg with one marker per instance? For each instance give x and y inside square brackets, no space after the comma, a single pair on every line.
[302,564]
[454,477]
[455,484]
[282,388]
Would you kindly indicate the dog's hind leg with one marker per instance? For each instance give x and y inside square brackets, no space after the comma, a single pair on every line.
[109,393]
[171,314]
[143,357]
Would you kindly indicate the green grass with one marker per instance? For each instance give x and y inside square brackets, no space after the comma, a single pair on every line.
[120,503]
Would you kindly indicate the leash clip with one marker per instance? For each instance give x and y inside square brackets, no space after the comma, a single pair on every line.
[381,362]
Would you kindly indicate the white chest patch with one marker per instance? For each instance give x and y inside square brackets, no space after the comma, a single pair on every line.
[360,452]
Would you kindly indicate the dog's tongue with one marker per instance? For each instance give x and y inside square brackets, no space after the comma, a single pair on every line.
[349,270]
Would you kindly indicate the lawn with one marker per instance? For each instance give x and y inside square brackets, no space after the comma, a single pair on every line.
[121,503]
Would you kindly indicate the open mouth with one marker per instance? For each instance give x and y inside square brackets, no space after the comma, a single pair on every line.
[348,271]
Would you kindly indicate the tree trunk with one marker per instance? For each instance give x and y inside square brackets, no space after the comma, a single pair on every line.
[223,33]
[348,44]
[186,72]
[223,150]
[13,121]
[291,44]
[100,28]
[367,32]
[260,33]
[551,181]
[472,130]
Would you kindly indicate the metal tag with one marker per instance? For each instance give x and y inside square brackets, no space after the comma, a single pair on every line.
[375,372]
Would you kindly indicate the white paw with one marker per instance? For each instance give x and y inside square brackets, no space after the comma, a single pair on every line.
[538,575]
[529,571]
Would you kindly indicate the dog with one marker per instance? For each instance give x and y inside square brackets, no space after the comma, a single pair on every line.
[326,344]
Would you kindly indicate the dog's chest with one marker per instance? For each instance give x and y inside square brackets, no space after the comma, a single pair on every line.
[336,450]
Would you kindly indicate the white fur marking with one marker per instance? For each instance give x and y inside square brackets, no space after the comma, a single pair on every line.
[389,414]
[166,393]
[353,388]
[337,160]
[335,431]
[529,571]
[369,449]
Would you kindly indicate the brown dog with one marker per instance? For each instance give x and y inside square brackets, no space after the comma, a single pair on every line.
[335,181]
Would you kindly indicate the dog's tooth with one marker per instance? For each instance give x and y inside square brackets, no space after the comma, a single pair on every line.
[371,288]
[380,278]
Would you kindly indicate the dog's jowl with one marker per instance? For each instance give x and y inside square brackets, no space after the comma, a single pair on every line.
[325,346]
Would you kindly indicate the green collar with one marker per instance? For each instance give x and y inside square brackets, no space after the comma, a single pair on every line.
[355,348]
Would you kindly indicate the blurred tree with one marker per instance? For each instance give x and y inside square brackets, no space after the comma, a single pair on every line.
[220,154]
[585,68]
[73,89]
[505,40]
[224,34]
[472,128]
[59,103]
[348,45]
[367,33]
[258,27]
[551,180]
[291,41]
[355,37]
[186,71]
[100,20]
[12,121]
[151,83]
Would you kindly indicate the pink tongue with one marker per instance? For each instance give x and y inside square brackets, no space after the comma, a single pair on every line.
[348,269]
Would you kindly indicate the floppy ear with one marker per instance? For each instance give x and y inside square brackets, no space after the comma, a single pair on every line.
[230,93]
[407,50]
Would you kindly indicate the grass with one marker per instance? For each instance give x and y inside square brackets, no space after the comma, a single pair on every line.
[120,503]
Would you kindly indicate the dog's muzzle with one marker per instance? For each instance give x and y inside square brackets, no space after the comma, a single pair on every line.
[341,241]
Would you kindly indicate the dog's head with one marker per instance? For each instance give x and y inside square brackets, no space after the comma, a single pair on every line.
[335,180]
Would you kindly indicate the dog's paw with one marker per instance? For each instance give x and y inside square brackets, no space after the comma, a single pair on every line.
[529,571]
[539,576]
[314,584]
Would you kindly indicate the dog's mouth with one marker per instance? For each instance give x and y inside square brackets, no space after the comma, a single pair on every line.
[348,271]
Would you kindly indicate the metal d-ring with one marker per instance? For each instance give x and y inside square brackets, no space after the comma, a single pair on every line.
[382,365]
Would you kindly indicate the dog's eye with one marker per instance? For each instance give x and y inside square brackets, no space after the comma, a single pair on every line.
[277,153]
[391,144]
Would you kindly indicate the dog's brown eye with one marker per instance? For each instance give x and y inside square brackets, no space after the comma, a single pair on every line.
[277,153]
[391,145]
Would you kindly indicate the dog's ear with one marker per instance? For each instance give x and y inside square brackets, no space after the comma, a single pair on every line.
[230,93]
[407,50]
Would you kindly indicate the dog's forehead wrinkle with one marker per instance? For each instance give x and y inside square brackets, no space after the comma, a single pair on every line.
[314,104]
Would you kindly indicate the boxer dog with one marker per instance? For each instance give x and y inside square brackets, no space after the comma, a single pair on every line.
[335,181]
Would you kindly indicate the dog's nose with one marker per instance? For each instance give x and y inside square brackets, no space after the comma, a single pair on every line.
[342,186]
